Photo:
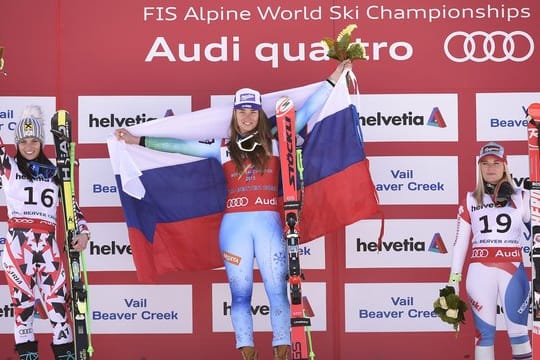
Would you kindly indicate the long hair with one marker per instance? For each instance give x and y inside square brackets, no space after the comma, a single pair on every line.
[261,154]
[480,189]
[22,163]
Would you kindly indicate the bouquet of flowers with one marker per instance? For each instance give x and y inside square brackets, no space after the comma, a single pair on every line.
[449,307]
[342,48]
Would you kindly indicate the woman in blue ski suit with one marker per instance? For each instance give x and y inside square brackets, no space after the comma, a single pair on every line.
[252,224]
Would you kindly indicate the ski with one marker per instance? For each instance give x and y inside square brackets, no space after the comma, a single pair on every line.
[65,160]
[533,126]
[285,121]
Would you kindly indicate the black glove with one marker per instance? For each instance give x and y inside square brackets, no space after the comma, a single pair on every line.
[503,193]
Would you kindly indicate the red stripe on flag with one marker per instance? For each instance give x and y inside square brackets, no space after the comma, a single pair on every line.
[338,200]
[183,245]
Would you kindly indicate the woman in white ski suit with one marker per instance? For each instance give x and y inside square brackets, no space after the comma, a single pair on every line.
[495,214]
[32,259]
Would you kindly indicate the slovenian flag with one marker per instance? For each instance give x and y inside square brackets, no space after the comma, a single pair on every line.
[173,203]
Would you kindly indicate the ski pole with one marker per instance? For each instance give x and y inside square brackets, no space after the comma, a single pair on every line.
[308,312]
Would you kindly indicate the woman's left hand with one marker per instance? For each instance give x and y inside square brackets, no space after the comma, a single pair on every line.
[79,242]
[344,65]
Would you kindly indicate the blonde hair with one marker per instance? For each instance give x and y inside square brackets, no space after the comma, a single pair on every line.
[480,189]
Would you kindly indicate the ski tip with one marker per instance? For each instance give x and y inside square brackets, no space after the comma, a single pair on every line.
[60,116]
[533,111]
[62,112]
[60,125]
[283,105]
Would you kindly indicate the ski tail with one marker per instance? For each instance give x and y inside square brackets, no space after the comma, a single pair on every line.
[285,118]
[65,159]
[308,312]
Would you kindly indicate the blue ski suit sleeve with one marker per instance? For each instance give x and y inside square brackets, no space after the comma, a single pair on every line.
[186,147]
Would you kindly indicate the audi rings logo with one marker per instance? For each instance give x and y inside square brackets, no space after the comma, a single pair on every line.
[237,202]
[22,220]
[479,253]
[496,46]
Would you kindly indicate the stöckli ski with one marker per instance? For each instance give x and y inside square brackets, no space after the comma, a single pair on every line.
[285,121]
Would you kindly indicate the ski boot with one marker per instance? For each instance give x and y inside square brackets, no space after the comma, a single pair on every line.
[27,350]
[248,353]
[64,351]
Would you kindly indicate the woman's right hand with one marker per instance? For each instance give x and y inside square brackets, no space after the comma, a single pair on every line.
[123,134]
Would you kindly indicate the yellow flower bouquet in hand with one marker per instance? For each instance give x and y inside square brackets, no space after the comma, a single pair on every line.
[450,308]
[342,48]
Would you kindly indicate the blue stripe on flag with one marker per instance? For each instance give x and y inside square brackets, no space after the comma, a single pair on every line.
[333,144]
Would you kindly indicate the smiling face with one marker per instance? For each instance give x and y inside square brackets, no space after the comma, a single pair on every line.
[492,169]
[246,120]
[29,148]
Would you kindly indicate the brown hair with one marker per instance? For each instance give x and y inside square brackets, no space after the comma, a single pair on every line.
[261,154]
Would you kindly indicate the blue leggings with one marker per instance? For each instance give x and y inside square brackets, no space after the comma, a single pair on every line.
[508,282]
[242,237]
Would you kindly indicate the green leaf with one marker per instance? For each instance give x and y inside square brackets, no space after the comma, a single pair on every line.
[356,51]
[344,42]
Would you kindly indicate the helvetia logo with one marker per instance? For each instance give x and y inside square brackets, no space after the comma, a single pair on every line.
[255,309]
[7,311]
[113,248]
[436,119]
[405,119]
[405,245]
[437,244]
[113,121]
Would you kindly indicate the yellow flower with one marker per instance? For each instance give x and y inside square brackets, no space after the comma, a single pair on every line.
[442,302]
[347,31]
[452,313]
